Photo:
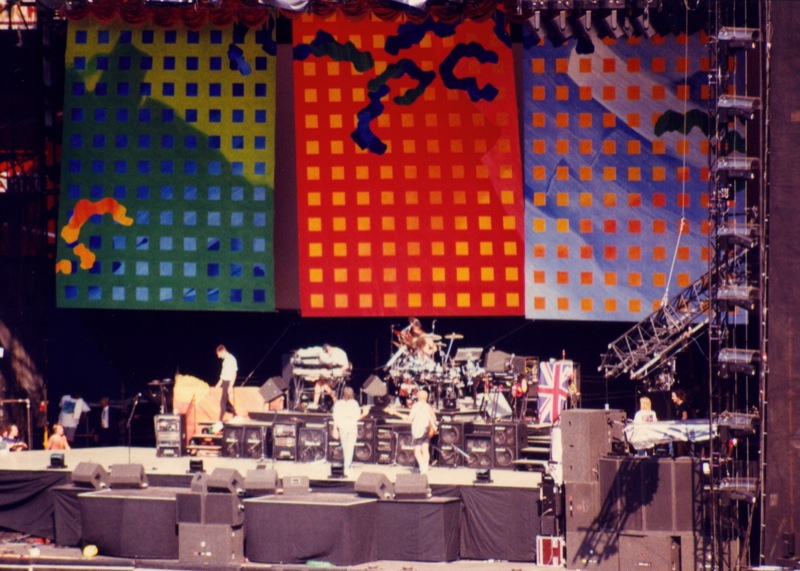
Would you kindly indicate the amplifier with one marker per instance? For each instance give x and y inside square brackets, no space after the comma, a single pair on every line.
[384,445]
[205,544]
[284,440]
[404,449]
[256,442]
[232,441]
[170,430]
[479,450]
[312,443]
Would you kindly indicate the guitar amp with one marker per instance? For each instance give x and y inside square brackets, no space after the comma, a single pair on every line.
[284,440]
[170,434]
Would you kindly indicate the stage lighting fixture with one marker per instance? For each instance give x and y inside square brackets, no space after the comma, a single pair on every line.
[560,5]
[745,38]
[527,6]
[290,5]
[483,476]
[195,466]
[57,462]
[737,167]
[337,470]
[744,235]
[556,29]
[608,25]
[738,106]
[732,361]
[743,296]
[642,26]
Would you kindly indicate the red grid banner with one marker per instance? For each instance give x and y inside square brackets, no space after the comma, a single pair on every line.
[409,174]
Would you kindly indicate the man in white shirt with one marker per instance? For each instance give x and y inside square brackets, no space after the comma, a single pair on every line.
[227,377]
[72,408]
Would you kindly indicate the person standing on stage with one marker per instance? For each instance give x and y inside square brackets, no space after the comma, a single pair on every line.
[57,440]
[73,407]
[227,377]
[10,438]
[423,427]
[346,414]
[106,434]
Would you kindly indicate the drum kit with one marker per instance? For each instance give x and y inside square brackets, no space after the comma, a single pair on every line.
[424,360]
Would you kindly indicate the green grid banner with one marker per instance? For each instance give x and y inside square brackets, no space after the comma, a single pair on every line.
[168,169]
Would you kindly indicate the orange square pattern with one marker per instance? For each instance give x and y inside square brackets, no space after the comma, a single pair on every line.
[434,224]
[605,192]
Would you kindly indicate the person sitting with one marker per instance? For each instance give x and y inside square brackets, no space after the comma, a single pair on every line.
[57,440]
[10,436]
[335,364]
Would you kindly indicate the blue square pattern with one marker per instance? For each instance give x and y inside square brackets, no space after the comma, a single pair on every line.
[100,115]
[237,168]
[97,191]
[190,142]
[97,268]
[259,245]
[142,268]
[145,90]
[142,217]
[213,245]
[167,192]
[169,63]
[165,268]
[214,193]
[190,269]
[237,193]
[76,141]
[121,141]
[237,244]
[212,270]
[117,268]
[237,219]
[190,193]
[74,191]
[191,116]
[101,89]
[189,294]
[259,296]
[190,167]
[118,293]
[236,270]
[142,243]
[212,295]
[190,244]
[142,294]
[214,219]
[98,140]
[120,192]
[95,293]
[259,270]
[95,242]
[166,218]
[122,115]
[78,88]
[190,218]
[124,63]
[143,192]
[118,242]
[215,63]
[236,296]
[166,167]
[165,243]
[165,294]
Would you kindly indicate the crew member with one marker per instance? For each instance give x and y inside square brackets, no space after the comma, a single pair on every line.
[335,362]
[346,414]
[73,407]
[227,377]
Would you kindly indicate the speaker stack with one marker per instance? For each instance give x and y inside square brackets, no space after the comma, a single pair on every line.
[232,441]
[170,435]
[256,441]
[508,438]
[284,440]
[384,444]
[478,446]
[404,447]
[451,448]
[312,443]
[365,443]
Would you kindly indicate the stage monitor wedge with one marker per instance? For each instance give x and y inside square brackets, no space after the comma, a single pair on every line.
[128,476]
[91,475]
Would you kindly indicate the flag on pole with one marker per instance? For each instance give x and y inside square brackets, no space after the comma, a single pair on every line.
[554,380]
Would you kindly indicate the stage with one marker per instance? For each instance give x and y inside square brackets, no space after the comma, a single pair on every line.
[466,521]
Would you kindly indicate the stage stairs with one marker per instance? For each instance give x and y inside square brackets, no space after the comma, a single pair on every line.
[536,454]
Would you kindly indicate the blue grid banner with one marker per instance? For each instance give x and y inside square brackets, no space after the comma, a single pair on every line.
[616,171]
[168,169]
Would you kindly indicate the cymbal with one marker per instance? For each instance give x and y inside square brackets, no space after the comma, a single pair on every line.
[432,336]
[440,344]
[454,336]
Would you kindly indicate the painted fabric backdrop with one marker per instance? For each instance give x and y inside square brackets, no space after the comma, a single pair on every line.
[610,174]
[168,165]
[409,170]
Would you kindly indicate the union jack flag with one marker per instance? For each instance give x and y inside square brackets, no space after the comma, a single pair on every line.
[554,380]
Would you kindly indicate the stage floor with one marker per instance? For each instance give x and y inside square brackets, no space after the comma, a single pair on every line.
[37,460]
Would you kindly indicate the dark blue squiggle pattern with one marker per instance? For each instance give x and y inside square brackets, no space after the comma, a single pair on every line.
[238,61]
[363,135]
[468,84]
[266,38]
[410,34]
[399,69]
[324,44]
[500,28]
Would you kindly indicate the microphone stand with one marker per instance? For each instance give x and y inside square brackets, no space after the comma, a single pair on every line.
[128,425]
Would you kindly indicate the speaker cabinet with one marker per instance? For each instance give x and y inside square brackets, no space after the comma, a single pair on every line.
[284,440]
[170,431]
[584,439]
[374,485]
[225,480]
[479,450]
[128,476]
[582,505]
[411,487]
[658,551]
[450,449]
[384,445]
[508,438]
[232,441]
[224,509]
[374,387]
[404,449]
[199,483]
[90,475]
[273,389]
[190,507]
[256,442]
[204,544]
[312,444]
[296,485]
[260,482]
[592,549]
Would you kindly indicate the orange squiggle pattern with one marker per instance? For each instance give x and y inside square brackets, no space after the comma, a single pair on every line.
[83,211]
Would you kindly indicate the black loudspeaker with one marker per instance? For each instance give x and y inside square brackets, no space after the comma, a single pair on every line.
[656,551]
[404,449]
[190,507]
[374,387]
[384,445]
[411,487]
[335,453]
[90,475]
[128,476]
[232,441]
[273,388]
[205,544]
[584,440]
[225,480]
[255,442]
[170,432]
[295,485]
[450,450]
[479,450]
[284,440]
[260,482]
[223,508]
[593,550]
[582,505]
[374,485]
[508,439]
[312,443]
